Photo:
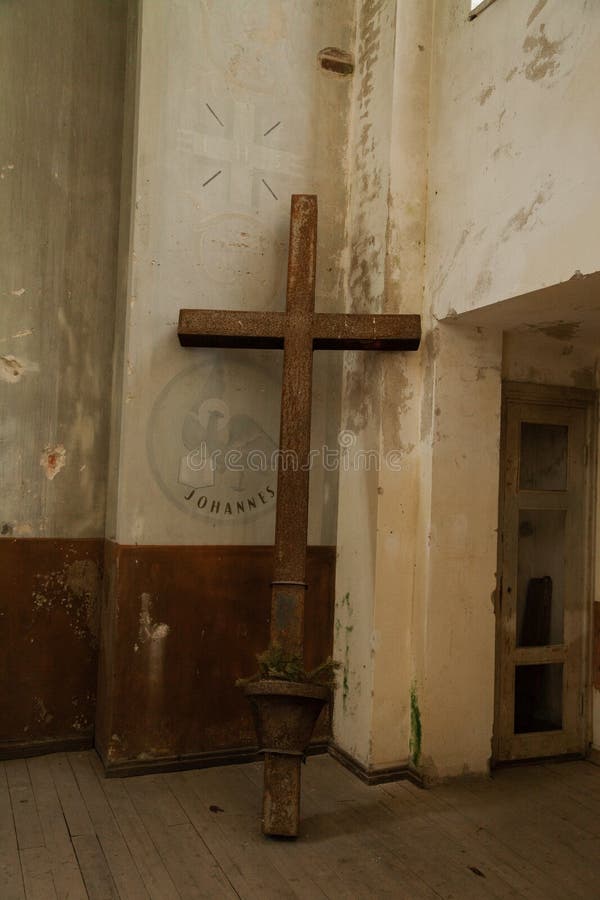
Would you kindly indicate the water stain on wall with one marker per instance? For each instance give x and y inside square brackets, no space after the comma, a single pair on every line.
[584,377]
[366,257]
[483,283]
[560,331]
[485,95]
[150,630]
[522,217]
[362,385]
[545,53]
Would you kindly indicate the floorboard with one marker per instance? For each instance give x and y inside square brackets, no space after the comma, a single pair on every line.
[11,874]
[68,833]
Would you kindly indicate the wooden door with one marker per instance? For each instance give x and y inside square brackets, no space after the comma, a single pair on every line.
[542,599]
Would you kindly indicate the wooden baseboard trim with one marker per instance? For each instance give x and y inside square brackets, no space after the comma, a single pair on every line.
[594,756]
[534,761]
[372,776]
[41,748]
[234,757]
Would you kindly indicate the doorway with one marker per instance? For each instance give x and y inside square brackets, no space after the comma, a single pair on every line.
[543,597]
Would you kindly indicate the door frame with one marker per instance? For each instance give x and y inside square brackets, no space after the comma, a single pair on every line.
[587,400]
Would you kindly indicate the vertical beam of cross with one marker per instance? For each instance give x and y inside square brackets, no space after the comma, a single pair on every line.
[291,526]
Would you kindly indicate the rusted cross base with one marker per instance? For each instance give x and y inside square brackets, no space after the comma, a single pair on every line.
[298,332]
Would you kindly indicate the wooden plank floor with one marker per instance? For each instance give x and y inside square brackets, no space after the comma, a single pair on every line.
[66,832]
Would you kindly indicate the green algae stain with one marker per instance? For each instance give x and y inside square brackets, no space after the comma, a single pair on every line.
[415,727]
[346,665]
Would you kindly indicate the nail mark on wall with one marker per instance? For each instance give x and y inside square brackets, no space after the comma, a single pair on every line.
[212,178]
[211,110]
[340,62]
[52,460]
[11,369]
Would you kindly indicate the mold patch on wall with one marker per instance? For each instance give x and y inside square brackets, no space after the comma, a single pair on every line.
[415,727]
[49,612]
[75,588]
[343,632]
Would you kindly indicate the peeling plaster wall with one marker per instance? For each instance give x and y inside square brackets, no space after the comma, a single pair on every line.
[228,112]
[506,216]
[511,247]
[61,67]
[514,183]
[61,70]
[224,136]
[454,623]
[380,405]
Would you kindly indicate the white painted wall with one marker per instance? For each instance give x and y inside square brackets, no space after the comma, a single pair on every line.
[512,187]
[514,182]
[378,510]
[234,114]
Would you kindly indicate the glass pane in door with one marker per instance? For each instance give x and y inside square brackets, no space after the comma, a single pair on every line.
[543,460]
[538,698]
[541,577]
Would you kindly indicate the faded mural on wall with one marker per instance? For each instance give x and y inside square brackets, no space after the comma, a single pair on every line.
[220,461]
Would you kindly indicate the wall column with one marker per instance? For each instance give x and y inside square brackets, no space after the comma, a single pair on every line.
[381,400]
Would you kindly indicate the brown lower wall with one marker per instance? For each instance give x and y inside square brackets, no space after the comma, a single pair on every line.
[179,625]
[48,642]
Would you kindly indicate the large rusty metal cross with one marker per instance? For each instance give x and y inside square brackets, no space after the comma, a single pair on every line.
[298,331]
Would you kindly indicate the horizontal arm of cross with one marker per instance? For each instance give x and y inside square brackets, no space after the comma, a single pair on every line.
[266,330]
[231,328]
[336,331]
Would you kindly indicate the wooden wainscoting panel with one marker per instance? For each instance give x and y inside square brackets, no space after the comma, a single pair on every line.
[180,625]
[48,643]
[596,647]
